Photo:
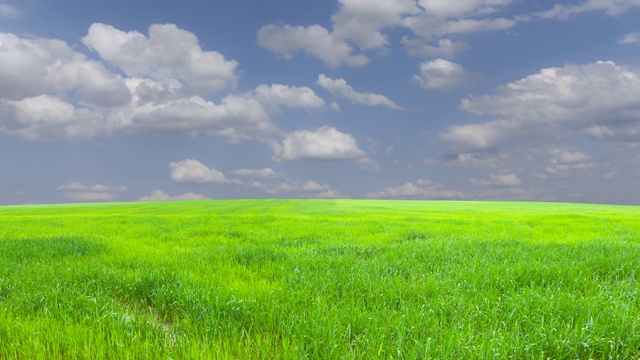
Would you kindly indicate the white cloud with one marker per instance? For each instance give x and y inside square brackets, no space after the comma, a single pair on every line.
[630,38]
[601,99]
[610,7]
[79,192]
[33,67]
[444,47]
[479,136]
[307,188]
[298,186]
[158,195]
[9,11]
[424,189]
[459,8]
[167,53]
[283,95]
[442,74]
[429,27]
[287,40]
[567,162]
[193,171]
[340,88]
[361,25]
[356,23]
[262,173]
[235,118]
[324,143]
[361,21]
[51,91]
[468,160]
[498,180]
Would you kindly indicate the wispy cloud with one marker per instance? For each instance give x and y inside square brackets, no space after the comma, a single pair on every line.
[630,38]
[9,11]
[79,192]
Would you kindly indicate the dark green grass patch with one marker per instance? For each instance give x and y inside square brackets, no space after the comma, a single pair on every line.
[47,249]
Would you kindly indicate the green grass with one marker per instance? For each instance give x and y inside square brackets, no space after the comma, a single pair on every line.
[316,279]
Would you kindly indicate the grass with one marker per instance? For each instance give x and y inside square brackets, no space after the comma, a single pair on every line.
[320,279]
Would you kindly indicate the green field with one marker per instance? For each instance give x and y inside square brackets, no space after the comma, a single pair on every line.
[320,279]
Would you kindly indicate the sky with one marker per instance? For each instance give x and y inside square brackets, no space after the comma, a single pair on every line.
[145,100]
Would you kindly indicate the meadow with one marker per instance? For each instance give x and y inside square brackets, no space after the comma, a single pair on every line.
[320,279]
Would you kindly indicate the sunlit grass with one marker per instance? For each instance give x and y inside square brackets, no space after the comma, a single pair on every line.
[320,279]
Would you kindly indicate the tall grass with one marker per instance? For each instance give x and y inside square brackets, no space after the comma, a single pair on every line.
[288,279]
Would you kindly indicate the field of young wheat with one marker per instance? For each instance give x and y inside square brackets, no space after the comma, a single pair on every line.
[319,279]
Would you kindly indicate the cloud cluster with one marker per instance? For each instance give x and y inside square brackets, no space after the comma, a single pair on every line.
[158,195]
[310,188]
[422,189]
[195,172]
[565,162]
[435,26]
[78,192]
[498,180]
[601,100]
[168,52]
[359,26]
[140,83]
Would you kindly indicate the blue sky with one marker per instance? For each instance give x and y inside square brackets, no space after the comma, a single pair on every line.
[408,99]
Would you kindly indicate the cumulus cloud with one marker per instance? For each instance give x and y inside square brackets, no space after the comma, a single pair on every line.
[167,52]
[442,74]
[422,188]
[361,22]
[630,38]
[357,23]
[9,11]
[340,88]
[287,40]
[324,143]
[79,192]
[361,25]
[277,95]
[262,173]
[33,67]
[49,90]
[193,171]
[158,195]
[600,99]
[235,118]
